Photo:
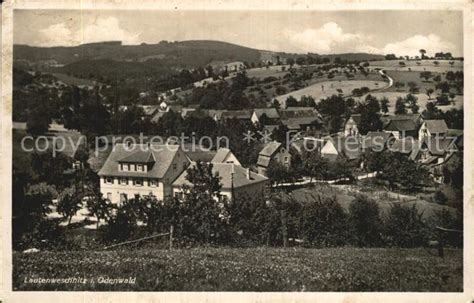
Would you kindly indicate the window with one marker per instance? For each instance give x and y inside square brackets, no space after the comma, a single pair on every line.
[137,197]
[132,167]
[139,167]
[153,182]
[125,167]
[138,182]
[185,165]
[123,181]
[109,180]
[175,166]
[286,159]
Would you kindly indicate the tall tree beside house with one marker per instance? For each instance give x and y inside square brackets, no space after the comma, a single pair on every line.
[203,218]
[278,173]
[69,202]
[369,115]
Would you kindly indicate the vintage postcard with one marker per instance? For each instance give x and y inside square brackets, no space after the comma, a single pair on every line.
[209,151]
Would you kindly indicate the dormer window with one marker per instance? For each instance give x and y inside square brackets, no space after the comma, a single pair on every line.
[139,167]
[125,167]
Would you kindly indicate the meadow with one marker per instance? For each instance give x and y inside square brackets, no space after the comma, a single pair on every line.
[330,88]
[238,269]
[424,65]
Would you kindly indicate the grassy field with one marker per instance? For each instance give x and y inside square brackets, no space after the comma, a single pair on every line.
[427,65]
[257,269]
[330,88]
[345,194]
[70,80]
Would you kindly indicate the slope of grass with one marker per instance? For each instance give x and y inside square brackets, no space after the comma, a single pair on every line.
[260,269]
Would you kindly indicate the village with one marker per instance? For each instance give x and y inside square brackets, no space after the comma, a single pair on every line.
[207,165]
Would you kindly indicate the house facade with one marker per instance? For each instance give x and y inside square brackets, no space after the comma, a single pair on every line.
[272,151]
[138,170]
[235,180]
[351,127]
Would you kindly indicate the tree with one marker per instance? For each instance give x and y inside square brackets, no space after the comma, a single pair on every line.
[422,52]
[405,227]
[400,108]
[443,87]
[69,202]
[437,78]
[38,120]
[452,96]
[426,75]
[429,91]
[442,100]
[365,221]
[436,63]
[314,165]
[400,171]
[277,172]
[291,102]
[384,103]
[290,62]
[99,207]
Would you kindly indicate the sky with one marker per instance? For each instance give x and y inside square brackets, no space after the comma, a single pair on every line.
[323,32]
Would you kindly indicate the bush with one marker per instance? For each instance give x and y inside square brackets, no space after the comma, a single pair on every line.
[365,222]
[404,227]
[440,198]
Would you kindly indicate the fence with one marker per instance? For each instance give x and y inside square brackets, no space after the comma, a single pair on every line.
[170,234]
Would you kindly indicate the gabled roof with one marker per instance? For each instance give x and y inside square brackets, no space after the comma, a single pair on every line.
[416,118]
[163,155]
[270,148]
[376,139]
[436,126]
[156,117]
[298,112]
[139,157]
[407,146]
[224,171]
[197,153]
[271,112]
[400,125]
[237,114]
[348,147]
[221,154]
[356,118]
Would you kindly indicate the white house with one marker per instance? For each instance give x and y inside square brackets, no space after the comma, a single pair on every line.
[134,170]
[235,180]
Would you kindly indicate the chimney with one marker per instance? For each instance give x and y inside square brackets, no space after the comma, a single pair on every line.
[248,173]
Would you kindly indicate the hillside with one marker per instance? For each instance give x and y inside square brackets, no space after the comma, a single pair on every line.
[186,54]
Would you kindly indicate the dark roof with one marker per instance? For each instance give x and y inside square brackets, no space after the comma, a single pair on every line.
[375,139]
[263,160]
[270,148]
[224,171]
[416,118]
[436,126]
[139,157]
[237,114]
[407,146]
[163,155]
[195,152]
[400,125]
[356,118]
[299,112]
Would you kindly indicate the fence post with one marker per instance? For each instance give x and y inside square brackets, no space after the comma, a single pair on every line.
[171,236]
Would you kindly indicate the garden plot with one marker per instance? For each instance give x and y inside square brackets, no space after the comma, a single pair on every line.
[328,88]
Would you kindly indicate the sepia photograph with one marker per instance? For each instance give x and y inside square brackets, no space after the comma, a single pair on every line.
[227,150]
